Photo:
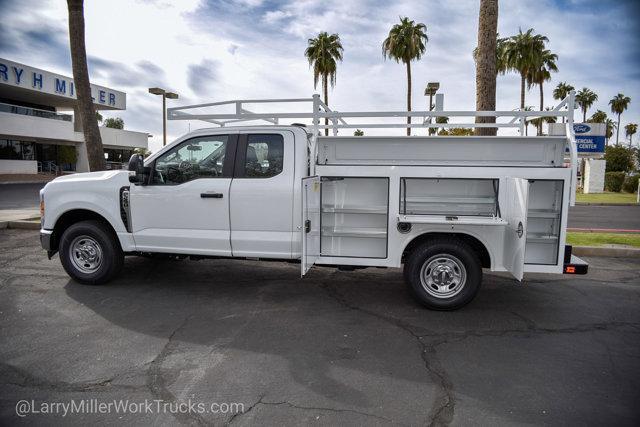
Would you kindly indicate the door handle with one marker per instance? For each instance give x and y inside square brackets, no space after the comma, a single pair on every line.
[211,195]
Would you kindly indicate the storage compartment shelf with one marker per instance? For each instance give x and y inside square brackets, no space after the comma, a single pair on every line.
[541,238]
[378,233]
[441,219]
[543,213]
[378,210]
[452,199]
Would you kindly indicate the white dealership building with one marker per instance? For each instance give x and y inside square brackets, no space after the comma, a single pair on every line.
[37,131]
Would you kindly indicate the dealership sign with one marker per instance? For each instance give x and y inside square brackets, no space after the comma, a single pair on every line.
[34,79]
[590,137]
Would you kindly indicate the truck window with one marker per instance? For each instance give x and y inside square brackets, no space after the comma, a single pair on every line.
[264,156]
[195,158]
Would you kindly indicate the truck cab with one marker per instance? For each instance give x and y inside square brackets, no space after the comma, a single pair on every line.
[222,192]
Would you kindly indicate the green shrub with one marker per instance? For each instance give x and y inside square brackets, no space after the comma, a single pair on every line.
[67,154]
[619,158]
[631,184]
[613,181]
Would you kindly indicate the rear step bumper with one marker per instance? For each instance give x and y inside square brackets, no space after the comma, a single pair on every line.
[573,264]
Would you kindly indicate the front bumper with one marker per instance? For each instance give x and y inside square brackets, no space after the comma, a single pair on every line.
[46,240]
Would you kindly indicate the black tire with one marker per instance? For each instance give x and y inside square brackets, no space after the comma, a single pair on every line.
[446,260]
[93,234]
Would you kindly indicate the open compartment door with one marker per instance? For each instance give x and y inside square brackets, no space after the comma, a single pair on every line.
[514,210]
[310,222]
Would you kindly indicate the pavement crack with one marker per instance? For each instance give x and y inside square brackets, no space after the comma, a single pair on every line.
[157,383]
[261,401]
[19,378]
[443,407]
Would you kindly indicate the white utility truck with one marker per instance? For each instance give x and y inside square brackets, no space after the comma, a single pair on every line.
[444,207]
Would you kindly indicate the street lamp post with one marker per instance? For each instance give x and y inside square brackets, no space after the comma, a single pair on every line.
[431,89]
[165,95]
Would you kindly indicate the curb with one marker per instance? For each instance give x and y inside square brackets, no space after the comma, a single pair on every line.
[23,182]
[23,225]
[606,251]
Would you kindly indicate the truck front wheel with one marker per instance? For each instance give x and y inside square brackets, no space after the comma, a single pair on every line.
[443,274]
[90,253]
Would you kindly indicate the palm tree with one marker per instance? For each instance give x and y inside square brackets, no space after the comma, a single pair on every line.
[406,42]
[619,103]
[541,73]
[86,111]
[585,99]
[358,132]
[631,129]
[486,63]
[439,119]
[561,92]
[598,117]
[611,125]
[522,53]
[322,53]
[528,122]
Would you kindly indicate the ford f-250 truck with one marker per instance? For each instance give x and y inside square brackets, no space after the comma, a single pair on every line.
[442,207]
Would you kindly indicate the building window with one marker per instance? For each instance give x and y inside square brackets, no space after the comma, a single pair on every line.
[16,150]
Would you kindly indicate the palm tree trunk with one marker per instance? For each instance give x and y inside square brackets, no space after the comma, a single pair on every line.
[87,115]
[522,80]
[326,100]
[618,131]
[584,115]
[486,64]
[408,96]
[541,108]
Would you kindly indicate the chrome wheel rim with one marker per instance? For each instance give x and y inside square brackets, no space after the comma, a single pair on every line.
[85,254]
[443,276]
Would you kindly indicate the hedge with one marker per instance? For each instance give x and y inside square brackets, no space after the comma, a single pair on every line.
[631,184]
[613,181]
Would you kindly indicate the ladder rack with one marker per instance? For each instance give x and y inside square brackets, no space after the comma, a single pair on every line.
[319,111]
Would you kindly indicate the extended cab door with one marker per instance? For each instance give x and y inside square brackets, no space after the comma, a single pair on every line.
[261,202]
[311,189]
[185,206]
[514,210]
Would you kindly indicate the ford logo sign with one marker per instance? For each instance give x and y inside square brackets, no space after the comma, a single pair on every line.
[581,128]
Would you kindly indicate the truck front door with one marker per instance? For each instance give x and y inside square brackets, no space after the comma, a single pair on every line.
[185,206]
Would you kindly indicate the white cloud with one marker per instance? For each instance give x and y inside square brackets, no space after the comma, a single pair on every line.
[275,16]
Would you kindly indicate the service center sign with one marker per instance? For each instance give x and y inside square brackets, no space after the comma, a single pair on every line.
[590,137]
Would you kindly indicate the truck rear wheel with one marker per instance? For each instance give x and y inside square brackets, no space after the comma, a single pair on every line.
[443,274]
[90,253]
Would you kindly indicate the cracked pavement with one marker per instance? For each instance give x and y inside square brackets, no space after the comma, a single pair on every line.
[332,348]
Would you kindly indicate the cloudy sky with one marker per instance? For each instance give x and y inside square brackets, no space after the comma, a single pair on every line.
[230,49]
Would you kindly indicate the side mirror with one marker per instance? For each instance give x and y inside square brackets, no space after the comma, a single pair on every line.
[138,173]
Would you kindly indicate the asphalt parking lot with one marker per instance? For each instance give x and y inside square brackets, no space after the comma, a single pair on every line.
[333,348]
